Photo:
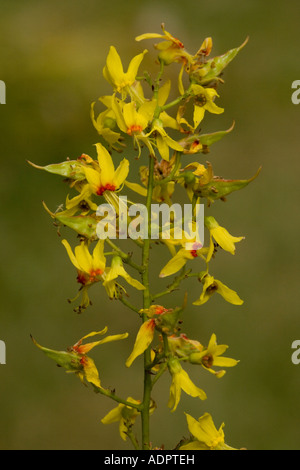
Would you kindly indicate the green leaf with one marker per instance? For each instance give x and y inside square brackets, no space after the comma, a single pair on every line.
[71,169]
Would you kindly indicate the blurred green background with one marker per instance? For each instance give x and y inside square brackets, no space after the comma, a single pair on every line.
[51,59]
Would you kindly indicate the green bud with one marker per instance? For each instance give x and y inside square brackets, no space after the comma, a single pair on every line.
[209,139]
[196,358]
[189,177]
[84,225]
[219,188]
[110,123]
[214,67]
[71,169]
[67,360]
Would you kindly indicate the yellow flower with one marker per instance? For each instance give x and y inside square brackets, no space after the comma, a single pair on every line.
[75,359]
[160,318]
[212,285]
[191,249]
[221,236]
[126,416]
[162,140]
[90,267]
[105,177]
[204,101]
[105,123]
[182,346]
[90,372]
[114,73]
[205,435]
[81,203]
[179,261]
[111,274]
[211,356]
[171,49]
[181,381]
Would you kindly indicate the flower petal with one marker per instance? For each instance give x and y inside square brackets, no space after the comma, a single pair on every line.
[143,340]
[106,165]
[121,173]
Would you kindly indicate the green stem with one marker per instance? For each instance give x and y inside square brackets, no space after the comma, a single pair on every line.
[175,285]
[177,100]
[133,439]
[128,304]
[145,414]
[114,397]
[125,256]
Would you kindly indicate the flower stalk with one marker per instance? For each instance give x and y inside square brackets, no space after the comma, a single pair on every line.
[99,182]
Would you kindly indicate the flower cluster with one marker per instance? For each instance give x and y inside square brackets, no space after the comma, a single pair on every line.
[163,124]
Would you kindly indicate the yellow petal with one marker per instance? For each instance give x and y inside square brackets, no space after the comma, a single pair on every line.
[199,112]
[133,282]
[94,333]
[98,256]
[85,348]
[91,372]
[134,66]
[114,68]
[228,294]
[163,148]
[175,394]
[189,387]
[163,93]
[204,430]
[149,36]
[93,177]
[224,239]
[114,415]
[84,258]
[143,340]
[180,83]
[121,173]
[137,188]
[117,107]
[176,263]
[71,255]
[106,165]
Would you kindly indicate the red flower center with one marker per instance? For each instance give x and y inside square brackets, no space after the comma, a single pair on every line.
[83,361]
[82,278]
[94,273]
[159,310]
[135,128]
[194,253]
[107,187]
